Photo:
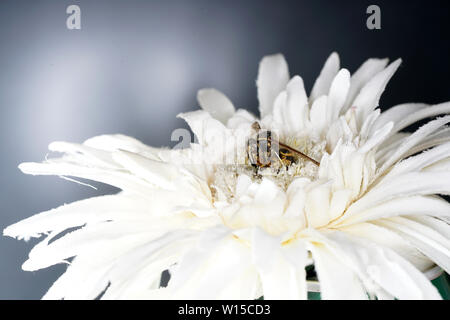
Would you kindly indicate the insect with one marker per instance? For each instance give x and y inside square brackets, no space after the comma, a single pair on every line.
[263,150]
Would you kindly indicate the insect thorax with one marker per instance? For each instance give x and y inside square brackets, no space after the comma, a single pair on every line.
[264,151]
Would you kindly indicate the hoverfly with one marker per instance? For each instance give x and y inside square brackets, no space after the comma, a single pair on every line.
[263,150]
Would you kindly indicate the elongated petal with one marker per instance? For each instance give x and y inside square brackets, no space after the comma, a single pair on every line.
[386,268]
[143,265]
[318,115]
[119,179]
[414,205]
[397,113]
[317,205]
[378,137]
[428,241]
[90,155]
[273,75]
[291,108]
[91,211]
[79,282]
[192,260]
[434,222]
[366,72]
[389,239]
[421,161]
[338,93]
[410,184]
[323,82]
[204,126]
[161,174]
[216,103]
[369,96]
[222,275]
[337,281]
[46,254]
[282,270]
[113,142]
[413,140]
[422,113]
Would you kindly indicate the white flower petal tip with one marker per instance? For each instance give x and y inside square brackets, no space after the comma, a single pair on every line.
[368,98]
[11,231]
[368,220]
[29,167]
[273,75]
[216,103]
[323,82]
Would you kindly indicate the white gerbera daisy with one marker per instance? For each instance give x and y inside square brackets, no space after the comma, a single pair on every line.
[367,216]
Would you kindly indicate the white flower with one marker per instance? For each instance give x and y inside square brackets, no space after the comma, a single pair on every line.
[368,218]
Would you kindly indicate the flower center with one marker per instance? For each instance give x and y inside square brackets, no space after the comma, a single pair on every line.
[278,169]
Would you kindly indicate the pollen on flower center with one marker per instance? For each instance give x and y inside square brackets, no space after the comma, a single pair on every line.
[225,178]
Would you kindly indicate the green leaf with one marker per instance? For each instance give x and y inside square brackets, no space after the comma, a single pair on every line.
[442,283]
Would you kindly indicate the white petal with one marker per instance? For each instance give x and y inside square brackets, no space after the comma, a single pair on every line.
[422,113]
[421,161]
[410,184]
[433,222]
[219,267]
[366,72]
[204,126]
[282,270]
[387,269]
[397,113]
[338,93]
[241,118]
[428,241]
[367,124]
[339,201]
[378,137]
[279,112]
[216,103]
[317,205]
[386,238]
[119,179]
[113,142]
[337,281]
[390,144]
[297,104]
[414,205]
[412,141]
[93,210]
[141,267]
[228,265]
[443,165]
[369,96]
[79,281]
[273,75]
[161,174]
[439,137]
[46,253]
[296,197]
[318,115]
[90,155]
[323,82]
[193,259]
[267,191]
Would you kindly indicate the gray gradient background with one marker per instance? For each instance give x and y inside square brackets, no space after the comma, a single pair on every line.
[136,64]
